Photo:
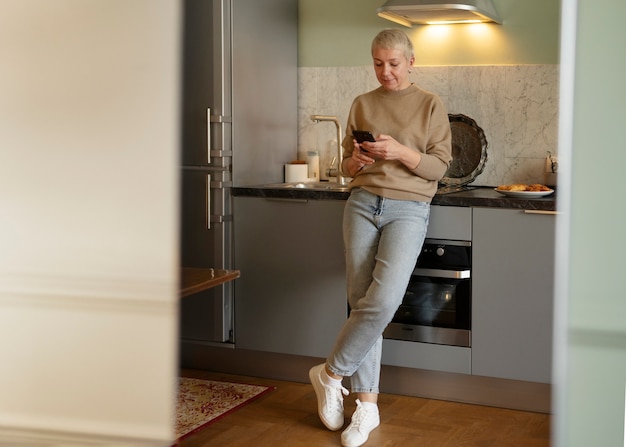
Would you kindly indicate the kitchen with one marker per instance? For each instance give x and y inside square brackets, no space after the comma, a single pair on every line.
[267,317]
[598,395]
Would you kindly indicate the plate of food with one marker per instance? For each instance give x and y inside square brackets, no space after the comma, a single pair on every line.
[521,190]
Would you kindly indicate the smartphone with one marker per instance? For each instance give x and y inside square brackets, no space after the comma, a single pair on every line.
[363,135]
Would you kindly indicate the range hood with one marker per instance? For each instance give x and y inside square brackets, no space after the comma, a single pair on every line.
[423,12]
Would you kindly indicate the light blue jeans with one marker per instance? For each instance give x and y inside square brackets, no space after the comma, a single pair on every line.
[382,239]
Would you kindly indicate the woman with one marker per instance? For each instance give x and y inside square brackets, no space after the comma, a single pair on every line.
[385,220]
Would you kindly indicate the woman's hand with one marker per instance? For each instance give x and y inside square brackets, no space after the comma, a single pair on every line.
[358,160]
[387,148]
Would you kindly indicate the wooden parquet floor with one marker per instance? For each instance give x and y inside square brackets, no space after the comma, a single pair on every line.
[287,417]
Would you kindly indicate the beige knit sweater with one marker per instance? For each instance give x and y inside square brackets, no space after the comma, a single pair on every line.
[415,118]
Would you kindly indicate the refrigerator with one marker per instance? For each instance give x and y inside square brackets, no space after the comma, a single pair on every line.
[239,127]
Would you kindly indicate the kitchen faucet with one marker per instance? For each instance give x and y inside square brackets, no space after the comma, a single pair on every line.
[334,172]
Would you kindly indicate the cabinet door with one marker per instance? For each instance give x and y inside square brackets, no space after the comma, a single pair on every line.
[291,296]
[450,222]
[512,294]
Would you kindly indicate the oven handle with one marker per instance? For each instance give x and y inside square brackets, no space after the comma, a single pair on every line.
[441,273]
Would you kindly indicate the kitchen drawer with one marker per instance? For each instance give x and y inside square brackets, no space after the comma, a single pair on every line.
[450,222]
[410,354]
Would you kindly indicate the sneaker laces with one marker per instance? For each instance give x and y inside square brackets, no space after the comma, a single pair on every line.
[334,397]
[359,415]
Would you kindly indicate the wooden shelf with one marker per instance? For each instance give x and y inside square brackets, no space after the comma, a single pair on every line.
[194,280]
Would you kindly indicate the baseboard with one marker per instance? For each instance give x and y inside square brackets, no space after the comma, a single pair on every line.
[49,438]
[477,390]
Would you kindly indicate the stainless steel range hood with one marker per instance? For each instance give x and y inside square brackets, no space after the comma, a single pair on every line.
[422,12]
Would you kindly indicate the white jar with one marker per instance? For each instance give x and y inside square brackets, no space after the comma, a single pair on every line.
[313,160]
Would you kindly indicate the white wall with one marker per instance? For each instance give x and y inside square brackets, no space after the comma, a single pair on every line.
[88,234]
[590,342]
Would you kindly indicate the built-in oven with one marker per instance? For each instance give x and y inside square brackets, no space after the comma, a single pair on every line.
[437,304]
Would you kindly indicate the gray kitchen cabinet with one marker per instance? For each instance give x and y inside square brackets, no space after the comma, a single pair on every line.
[512,294]
[450,222]
[291,296]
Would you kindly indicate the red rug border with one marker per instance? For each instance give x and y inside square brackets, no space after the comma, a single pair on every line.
[243,404]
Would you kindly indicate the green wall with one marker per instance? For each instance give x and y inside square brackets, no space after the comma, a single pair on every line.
[337,33]
[591,301]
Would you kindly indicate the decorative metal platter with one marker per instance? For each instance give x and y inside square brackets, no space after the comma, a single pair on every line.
[469,151]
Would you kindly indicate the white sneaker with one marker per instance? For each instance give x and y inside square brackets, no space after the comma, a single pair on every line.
[363,422]
[329,399]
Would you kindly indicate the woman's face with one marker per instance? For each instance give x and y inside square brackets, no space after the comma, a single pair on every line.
[392,68]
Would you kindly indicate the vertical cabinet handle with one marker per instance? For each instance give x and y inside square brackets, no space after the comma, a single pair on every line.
[208,201]
[223,149]
[208,136]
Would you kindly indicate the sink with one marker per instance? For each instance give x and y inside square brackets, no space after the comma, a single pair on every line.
[313,186]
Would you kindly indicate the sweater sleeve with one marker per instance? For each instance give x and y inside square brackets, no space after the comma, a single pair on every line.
[437,155]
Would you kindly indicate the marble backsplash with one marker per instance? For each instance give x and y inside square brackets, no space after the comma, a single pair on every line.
[515,105]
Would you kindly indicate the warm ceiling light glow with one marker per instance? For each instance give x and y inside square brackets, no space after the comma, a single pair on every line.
[436,32]
[481,29]
[451,22]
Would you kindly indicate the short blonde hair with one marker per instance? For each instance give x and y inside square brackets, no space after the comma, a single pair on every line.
[394,39]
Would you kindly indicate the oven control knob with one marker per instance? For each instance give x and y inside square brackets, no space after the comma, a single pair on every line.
[440,251]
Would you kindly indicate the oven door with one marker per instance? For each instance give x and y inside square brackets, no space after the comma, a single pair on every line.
[436,309]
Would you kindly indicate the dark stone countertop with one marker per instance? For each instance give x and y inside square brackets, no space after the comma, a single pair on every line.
[472,197]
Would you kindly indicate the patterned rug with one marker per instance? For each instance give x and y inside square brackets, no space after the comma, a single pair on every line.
[202,402]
